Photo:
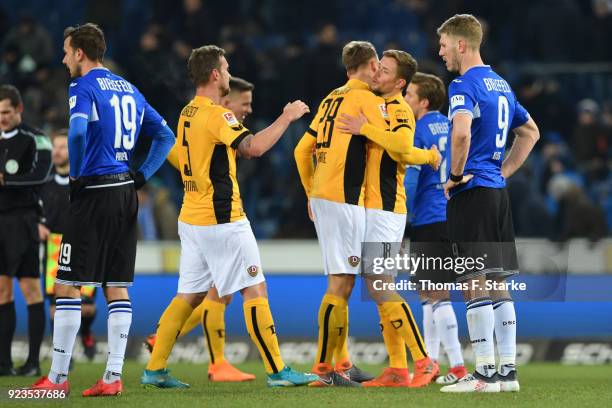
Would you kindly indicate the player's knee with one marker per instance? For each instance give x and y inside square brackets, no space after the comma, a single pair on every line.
[30,288]
[194,299]
[115,293]
[66,291]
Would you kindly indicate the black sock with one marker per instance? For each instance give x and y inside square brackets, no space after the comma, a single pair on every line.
[36,330]
[86,322]
[8,322]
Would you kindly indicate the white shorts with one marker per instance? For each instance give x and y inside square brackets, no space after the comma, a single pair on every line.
[224,256]
[340,229]
[383,238]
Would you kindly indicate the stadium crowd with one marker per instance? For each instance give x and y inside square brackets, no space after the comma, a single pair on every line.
[292,50]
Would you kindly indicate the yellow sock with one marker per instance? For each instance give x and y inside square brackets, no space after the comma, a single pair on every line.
[213,321]
[260,326]
[168,329]
[333,321]
[341,353]
[400,317]
[194,320]
[396,348]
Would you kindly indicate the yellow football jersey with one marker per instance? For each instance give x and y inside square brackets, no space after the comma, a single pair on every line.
[340,157]
[384,175]
[206,142]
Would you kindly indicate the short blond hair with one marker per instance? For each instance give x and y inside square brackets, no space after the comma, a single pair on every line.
[357,53]
[463,25]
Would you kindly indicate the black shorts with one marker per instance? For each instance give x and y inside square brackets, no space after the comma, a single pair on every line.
[430,243]
[99,244]
[19,245]
[480,228]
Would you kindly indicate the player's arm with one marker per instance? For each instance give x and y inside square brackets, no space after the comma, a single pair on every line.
[411,181]
[173,157]
[418,156]
[155,126]
[40,168]
[80,103]
[303,159]
[259,143]
[527,136]
[461,137]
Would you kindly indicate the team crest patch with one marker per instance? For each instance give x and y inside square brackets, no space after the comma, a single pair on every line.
[11,166]
[383,110]
[253,270]
[230,119]
[72,101]
[353,260]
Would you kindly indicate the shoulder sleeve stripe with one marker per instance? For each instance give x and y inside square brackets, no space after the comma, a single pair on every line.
[393,102]
[311,132]
[403,125]
[239,139]
[79,115]
[469,112]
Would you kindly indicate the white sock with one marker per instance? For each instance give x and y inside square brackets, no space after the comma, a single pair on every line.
[119,321]
[505,334]
[481,324]
[65,329]
[446,325]
[432,340]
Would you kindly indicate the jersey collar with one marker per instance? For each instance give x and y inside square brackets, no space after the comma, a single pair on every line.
[397,97]
[477,66]
[357,84]
[203,100]
[10,133]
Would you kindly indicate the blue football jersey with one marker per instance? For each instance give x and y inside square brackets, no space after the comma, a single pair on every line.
[488,98]
[116,113]
[429,200]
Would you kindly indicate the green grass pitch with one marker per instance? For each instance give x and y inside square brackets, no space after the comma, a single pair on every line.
[543,385]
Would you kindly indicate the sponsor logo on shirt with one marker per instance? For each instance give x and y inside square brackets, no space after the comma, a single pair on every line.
[457,100]
[72,102]
[383,110]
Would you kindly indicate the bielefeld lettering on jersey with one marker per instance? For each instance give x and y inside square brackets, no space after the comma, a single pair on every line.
[116,113]
[488,98]
[429,200]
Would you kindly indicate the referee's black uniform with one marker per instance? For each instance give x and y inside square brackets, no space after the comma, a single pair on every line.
[25,164]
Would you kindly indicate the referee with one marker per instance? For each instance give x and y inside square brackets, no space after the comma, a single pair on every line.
[25,164]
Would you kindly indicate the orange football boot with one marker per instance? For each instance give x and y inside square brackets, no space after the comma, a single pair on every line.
[43,383]
[225,372]
[424,372]
[102,389]
[390,377]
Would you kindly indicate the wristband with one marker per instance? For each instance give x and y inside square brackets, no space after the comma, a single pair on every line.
[454,178]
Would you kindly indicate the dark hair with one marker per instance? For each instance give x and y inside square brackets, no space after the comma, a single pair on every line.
[430,87]
[12,94]
[356,54]
[406,65]
[88,37]
[240,85]
[59,133]
[202,61]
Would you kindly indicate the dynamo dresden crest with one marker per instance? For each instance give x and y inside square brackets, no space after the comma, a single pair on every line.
[252,270]
[353,260]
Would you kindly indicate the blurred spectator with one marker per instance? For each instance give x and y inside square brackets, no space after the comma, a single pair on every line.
[324,65]
[600,31]
[193,27]
[591,141]
[32,42]
[577,217]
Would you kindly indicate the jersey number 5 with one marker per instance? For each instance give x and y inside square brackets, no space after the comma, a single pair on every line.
[331,107]
[125,117]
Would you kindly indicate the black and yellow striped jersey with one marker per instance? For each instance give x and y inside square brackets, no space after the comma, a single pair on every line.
[206,142]
[384,175]
[340,157]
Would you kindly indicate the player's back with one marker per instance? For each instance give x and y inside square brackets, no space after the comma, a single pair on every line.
[341,157]
[207,138]
[488,98]
[429,200]
[115,111]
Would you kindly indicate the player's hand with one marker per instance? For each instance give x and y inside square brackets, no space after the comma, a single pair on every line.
[452,184]
[1,179]
[43,232]
[295,110]
[310,214]
[139,179]
[435,164]
[351,124]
